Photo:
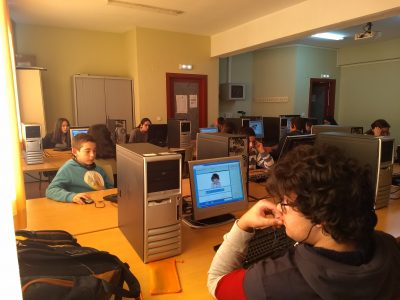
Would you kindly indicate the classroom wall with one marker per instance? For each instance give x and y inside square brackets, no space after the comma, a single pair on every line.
[311,62]
[238,70]
[160,52]
[144,55]
[274,75]
[65,52]
[369,84]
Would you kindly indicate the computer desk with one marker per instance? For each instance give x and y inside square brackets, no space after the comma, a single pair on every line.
[98,228]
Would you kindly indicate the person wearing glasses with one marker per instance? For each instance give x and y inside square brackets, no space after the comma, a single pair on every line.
[140,133]
[326,203]
[379,127]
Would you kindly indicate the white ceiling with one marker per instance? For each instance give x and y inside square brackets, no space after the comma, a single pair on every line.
[203,17]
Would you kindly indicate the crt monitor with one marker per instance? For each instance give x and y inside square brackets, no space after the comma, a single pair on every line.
[218,188]
[158,134]
[292,141]
[208,130]
[258,128]
[73,131]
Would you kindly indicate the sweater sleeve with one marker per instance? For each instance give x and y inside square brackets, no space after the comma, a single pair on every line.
[265,160]
[57,190]
[227,259]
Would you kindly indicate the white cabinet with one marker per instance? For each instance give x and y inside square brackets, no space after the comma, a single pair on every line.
[99,98]
[30,97]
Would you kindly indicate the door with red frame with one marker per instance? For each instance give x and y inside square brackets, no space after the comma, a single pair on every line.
[187,99]
[321,99]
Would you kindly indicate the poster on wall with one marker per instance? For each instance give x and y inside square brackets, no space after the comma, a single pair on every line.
[181,104]
[192,101]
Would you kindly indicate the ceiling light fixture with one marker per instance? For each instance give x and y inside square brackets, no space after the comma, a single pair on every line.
[134,5]
[329,36]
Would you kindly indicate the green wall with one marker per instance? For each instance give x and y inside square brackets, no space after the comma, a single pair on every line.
[65,52]
[369,85]
[240,71]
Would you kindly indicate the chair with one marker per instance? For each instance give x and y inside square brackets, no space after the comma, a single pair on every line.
[107,166]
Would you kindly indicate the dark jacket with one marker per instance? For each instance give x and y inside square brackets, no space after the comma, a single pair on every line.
[303,273]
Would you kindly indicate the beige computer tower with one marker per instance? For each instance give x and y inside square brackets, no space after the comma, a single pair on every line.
[149,202]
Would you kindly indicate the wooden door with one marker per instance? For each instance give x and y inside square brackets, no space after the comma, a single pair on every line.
[321,98]
[187,99]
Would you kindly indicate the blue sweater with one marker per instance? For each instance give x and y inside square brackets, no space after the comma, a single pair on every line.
[72,178]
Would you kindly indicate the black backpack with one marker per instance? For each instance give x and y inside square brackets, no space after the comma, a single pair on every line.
[54,266]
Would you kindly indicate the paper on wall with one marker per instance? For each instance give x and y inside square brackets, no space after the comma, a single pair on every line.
[192,101]
[181,104]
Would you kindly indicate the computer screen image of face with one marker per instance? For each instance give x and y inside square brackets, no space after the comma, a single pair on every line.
[218,187]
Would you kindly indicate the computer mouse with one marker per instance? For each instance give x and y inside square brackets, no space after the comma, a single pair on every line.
[87,200]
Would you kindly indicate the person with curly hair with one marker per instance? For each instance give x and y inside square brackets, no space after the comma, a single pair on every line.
[326,203]
[379,127]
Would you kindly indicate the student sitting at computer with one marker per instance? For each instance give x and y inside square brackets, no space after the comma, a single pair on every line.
[140,133]
[379,127]
[326,203]
[59,137]
[80,174]
[257,155]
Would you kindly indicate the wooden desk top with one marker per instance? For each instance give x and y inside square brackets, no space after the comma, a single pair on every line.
[43,213]
[192,265]
[98,228]
[52,161]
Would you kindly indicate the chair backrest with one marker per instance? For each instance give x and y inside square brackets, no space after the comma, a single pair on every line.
[107,168]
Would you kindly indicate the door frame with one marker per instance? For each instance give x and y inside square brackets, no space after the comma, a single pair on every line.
[330,101]
[202,101]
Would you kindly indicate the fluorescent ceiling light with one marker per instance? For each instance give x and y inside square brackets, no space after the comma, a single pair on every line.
[329,36]
[140,6]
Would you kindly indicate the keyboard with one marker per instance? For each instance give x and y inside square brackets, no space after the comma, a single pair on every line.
[268,242]
[258,175]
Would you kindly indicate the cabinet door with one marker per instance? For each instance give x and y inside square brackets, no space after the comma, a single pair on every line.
[89,101]
[30,98]
[119,100]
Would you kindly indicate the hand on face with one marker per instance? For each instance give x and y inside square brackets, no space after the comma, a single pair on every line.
[263,214]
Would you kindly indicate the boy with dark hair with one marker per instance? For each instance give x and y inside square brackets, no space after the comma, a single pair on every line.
[379,127]
[326,203]
[257,155]
[79,174]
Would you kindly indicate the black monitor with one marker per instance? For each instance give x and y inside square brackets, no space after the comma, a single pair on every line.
[258,127]
[208,129]
[218,188]
[158,134]
[292,141]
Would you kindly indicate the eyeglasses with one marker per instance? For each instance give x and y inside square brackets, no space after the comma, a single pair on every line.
[284,204]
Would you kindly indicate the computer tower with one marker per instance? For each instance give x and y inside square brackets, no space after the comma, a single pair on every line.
[377,152]
[213,145]
[179,133]
[32,141]
[149,202]
[272,130]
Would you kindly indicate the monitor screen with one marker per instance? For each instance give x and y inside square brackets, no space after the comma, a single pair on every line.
[292,141]
[158,134]
[78,130]
[336,128]
[258,127]
[208,130]
[218,187]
